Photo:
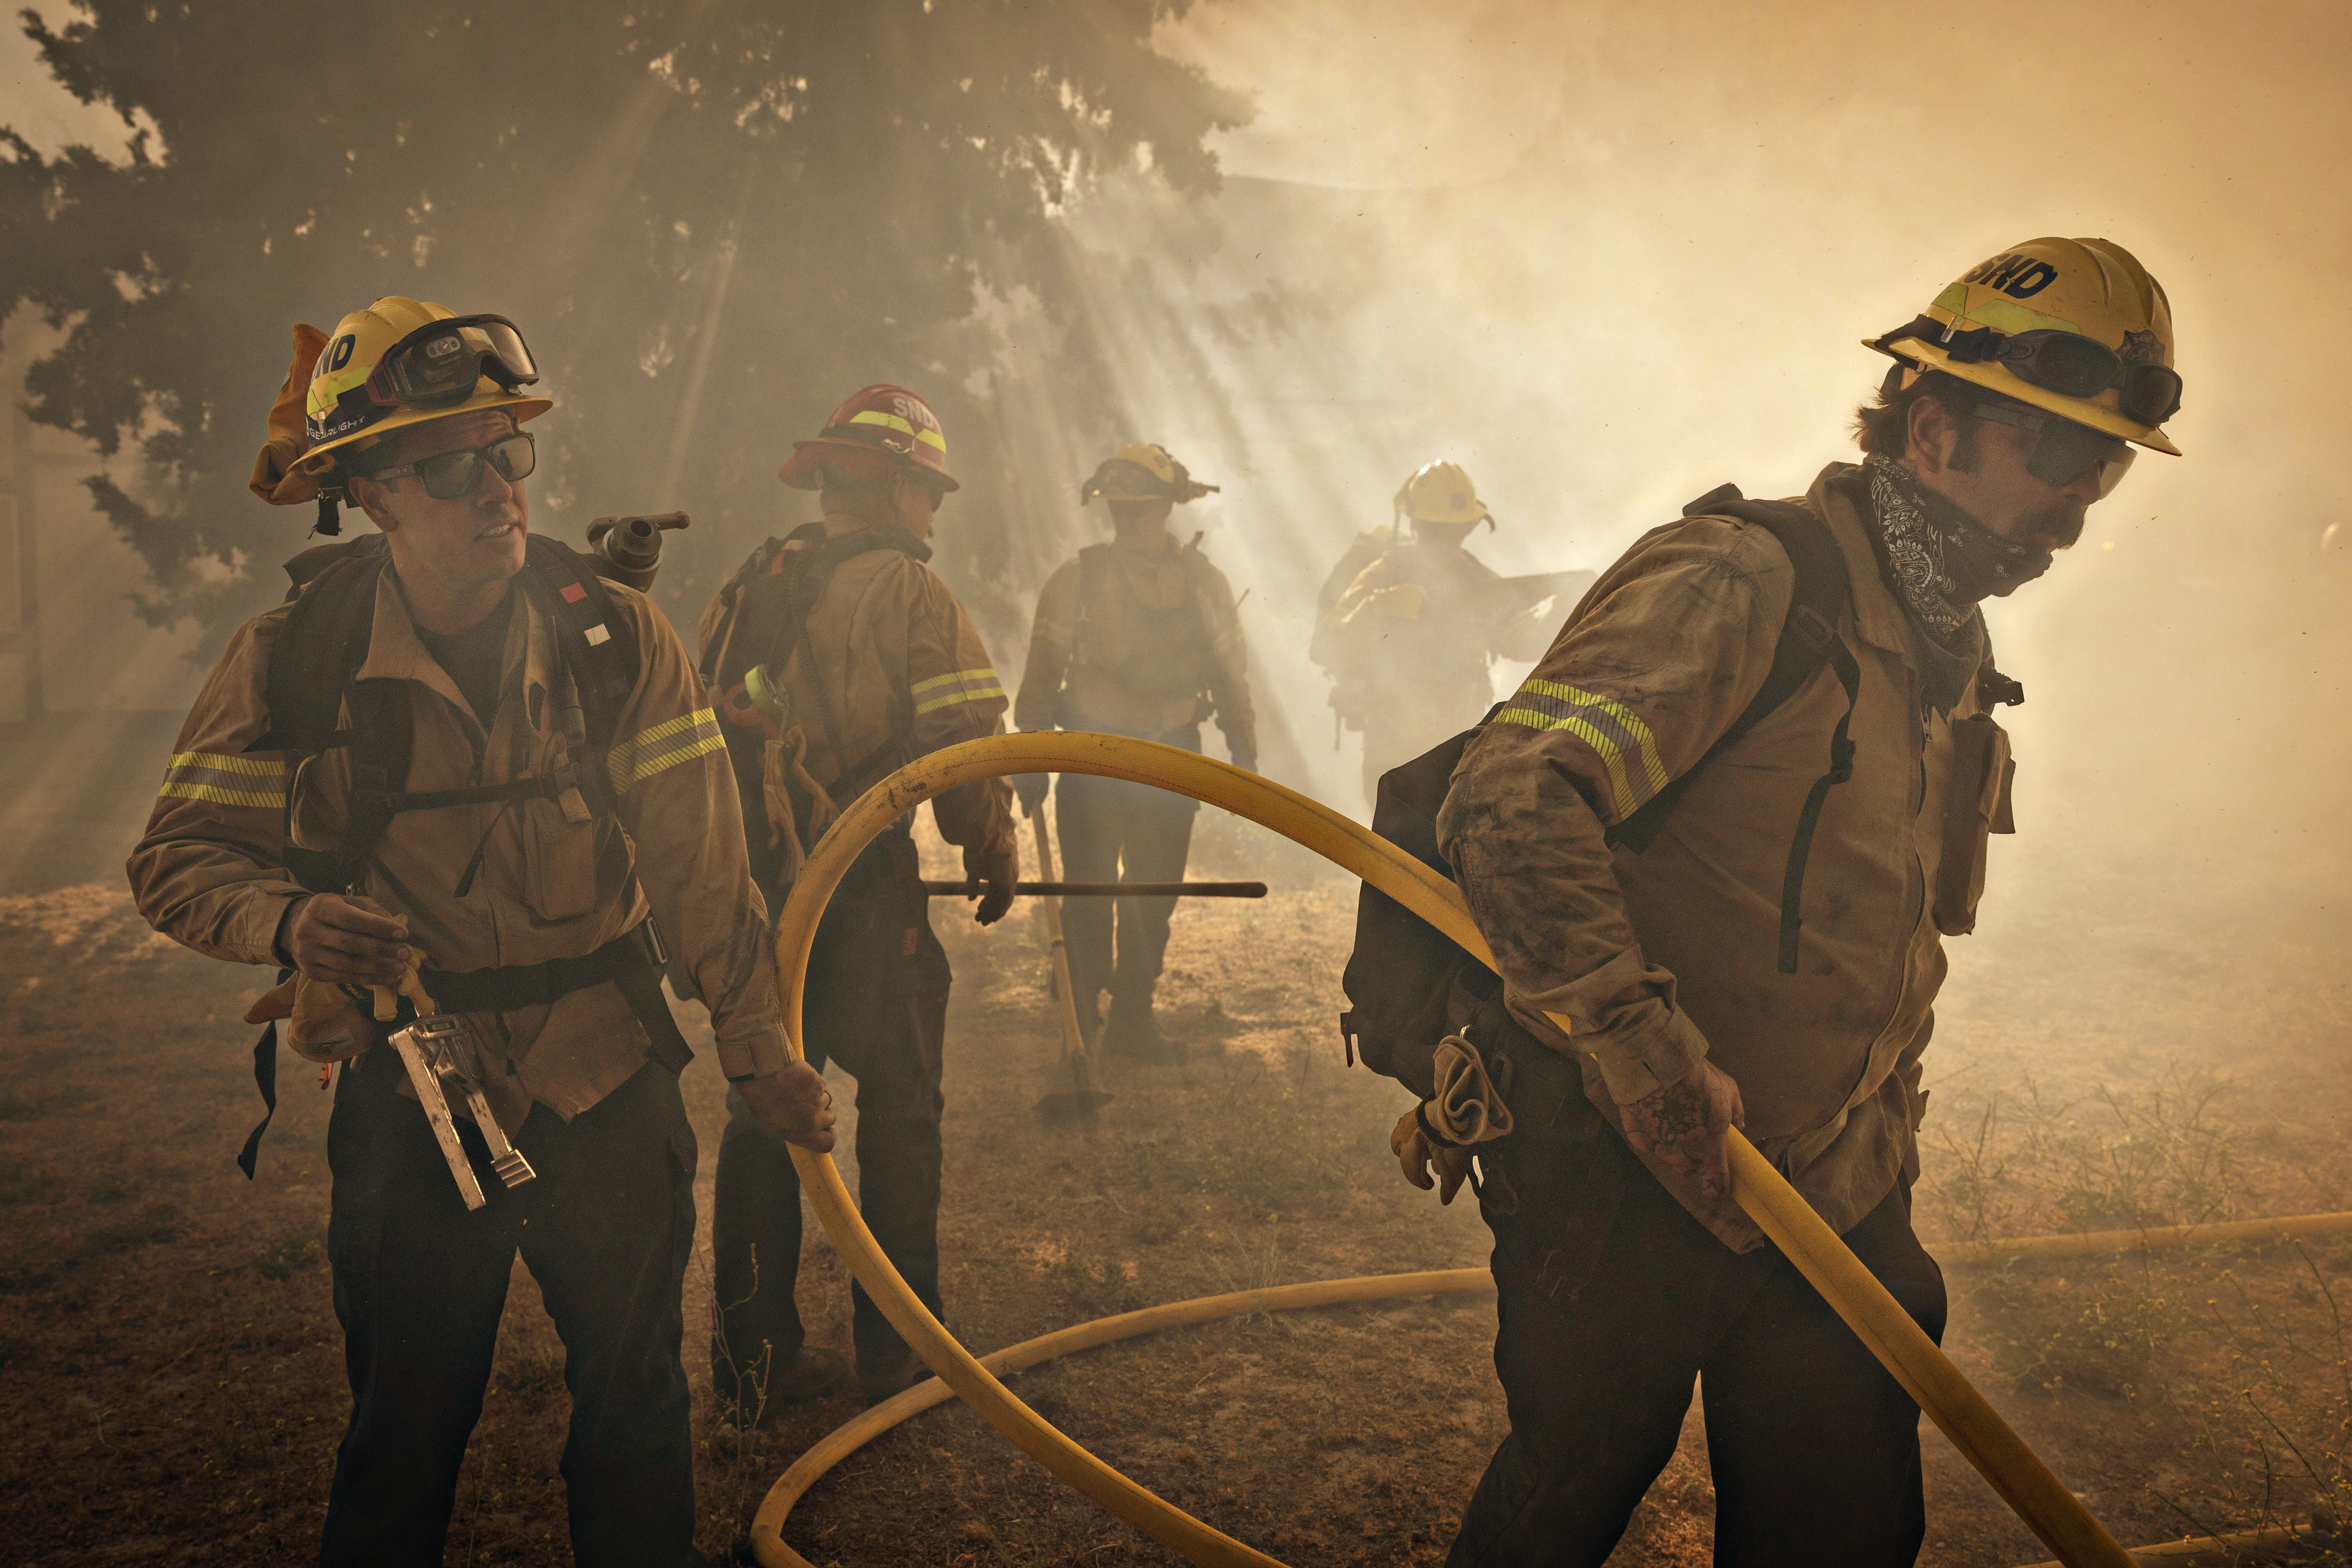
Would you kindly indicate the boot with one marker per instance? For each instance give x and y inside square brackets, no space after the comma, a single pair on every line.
[813,1373]
[1131,1031]
[877,1383]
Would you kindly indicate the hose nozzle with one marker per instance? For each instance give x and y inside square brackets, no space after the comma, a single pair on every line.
[628,549]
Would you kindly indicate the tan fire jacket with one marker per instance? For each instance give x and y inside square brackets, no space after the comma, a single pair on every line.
[554,881]
[1423,621]
[1157,646]
[1661,958]
[891,669]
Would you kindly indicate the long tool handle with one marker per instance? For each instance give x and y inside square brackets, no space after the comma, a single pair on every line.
[1074,1041]
[1052,890]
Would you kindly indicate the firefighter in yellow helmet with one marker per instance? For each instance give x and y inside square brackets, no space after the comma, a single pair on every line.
[462,763]
[1136,636]
[837,657]
[1409,621]
[1723,830]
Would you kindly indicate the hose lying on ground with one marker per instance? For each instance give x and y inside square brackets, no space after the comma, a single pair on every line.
[768,1524]
[2053,1513]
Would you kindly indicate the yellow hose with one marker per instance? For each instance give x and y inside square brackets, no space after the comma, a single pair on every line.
[2053,1512]
[2097,1242]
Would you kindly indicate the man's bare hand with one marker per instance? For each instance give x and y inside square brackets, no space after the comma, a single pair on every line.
[1415,1154]
[345,942]
[795,1102]
[1686,1126]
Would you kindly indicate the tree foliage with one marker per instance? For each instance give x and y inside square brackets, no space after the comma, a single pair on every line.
[712,218]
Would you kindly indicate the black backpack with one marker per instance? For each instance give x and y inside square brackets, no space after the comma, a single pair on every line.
[1409,985]
[314,669]
[764,610]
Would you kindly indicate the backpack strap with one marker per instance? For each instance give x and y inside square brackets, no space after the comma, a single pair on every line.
[597,645]
[1808,639]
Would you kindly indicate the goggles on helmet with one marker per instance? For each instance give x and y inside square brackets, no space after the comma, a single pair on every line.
[452,476]
[2066,450]
[2067,364]
[436,365]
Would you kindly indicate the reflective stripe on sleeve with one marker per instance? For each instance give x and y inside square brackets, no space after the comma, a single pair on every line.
[962,686]
[225,780]
[665,745]
[1621,742]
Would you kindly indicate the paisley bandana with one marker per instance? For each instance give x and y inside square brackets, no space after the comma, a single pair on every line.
[1942,560]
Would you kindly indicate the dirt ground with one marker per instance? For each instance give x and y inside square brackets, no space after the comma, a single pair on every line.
[171,1390]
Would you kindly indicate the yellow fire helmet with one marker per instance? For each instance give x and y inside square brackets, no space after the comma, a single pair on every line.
[1143,471]
[384,368]
[2075,327]
[1442,492]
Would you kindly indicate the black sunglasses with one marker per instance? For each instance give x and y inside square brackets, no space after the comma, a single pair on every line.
[436,365]
[452,476]
[2065,451]
[2065,362]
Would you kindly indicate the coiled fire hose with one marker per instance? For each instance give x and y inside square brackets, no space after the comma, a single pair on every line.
[2023,1481]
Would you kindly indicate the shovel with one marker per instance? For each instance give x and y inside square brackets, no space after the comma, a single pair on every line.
[1081,1099]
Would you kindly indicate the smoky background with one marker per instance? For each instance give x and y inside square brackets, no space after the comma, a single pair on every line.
[1606,259]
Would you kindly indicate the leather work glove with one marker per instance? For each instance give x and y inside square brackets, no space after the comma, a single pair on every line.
[1415,1154]
[1030,789]
[997,878]
[323,1024]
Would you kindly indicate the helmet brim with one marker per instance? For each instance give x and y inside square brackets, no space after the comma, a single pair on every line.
[321,458]
[804,469]
[1995,378]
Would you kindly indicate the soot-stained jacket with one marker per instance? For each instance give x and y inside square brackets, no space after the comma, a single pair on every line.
[555,879]
[1661,958]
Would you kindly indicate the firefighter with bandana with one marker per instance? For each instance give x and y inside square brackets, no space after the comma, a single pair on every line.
[1137,637]
[1722,832]
[837,658]
[445,807]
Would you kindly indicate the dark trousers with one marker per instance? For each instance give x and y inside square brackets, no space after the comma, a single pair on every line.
[420,1283]
[1112,830]
[1612,1298]
[875,1002]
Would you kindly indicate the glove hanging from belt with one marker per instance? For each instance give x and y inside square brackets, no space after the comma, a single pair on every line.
[1466,1110]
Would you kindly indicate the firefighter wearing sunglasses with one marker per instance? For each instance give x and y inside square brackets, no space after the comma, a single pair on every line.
[457,751]
[1723,830]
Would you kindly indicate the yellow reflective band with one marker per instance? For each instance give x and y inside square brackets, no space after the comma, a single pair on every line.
[663,746]
[979,696]
[225,780]
[220,796]
[1620,793]
[1650,762]
[259,767]
[328,389]
[976,686]
[939,681]
[892,422]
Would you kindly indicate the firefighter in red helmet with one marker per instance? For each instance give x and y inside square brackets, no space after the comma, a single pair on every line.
[837,657]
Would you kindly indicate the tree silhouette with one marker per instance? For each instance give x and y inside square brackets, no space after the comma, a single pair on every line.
[712,218]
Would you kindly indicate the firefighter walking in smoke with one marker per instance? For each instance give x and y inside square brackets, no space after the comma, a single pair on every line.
[499,769]
[839,657]
[1409,621]
[1722,831]
[1138,636]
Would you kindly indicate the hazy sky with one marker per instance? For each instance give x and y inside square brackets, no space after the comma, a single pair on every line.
[1617,254]
[1610,257]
